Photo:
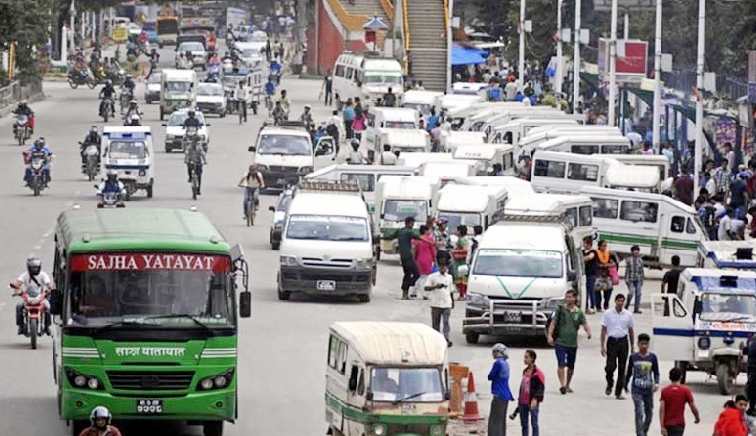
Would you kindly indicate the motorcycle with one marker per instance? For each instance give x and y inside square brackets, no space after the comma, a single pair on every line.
[107,108]
[133,120]
[110,200]
[21,129]
[76,78]
[33,313]
[91,161]
[125,98]
[37,179]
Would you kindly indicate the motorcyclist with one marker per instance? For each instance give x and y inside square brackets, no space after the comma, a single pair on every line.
[133,110]
[194,158]
[306,117]
[252,181]
[111,185]
[192,120]
[93,137]
[38,147]
[24,109]
[128,83]
[34,281]
[100,419]
[108,92]
[355,157]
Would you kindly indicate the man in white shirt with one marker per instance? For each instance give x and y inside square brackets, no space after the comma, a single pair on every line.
[725,231]
[440,286]
[34,281]
[616,328]
[388,157]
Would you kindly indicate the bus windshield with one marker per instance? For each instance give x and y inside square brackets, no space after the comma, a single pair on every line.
[406,384]
[150,289]
[728,307]
[398,210]
[373,78]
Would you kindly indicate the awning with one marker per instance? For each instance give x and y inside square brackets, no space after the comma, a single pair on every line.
[467,55]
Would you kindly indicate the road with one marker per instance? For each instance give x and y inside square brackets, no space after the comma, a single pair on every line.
[282,348]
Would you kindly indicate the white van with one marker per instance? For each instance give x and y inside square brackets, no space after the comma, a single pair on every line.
[504,116]
[513,184]
[470,88]
[727,254]
[401,140]
[452,139]
[420,100]
[581,144]
[366,77]
[658,161]
[459,115]
[469,205]
[414,160]
[538,135]
[559,172]
[445,171]
[128,151]
[707,324]
[661,226]
[518,277]
[327,243]
[391,376]
[367,176]
[487,155]
[178,89]
[251,53]
[448,102]
[512,132]
[574,210]
[397,198]
[283,155]
[388,117]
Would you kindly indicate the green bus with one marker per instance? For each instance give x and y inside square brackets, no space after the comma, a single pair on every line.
[145,313]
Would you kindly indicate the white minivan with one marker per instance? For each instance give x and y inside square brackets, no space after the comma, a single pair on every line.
[420,100]
[366,77]
[581,144]
[327,243]
[400,197]
[283,155]
[387,117]
[470,205]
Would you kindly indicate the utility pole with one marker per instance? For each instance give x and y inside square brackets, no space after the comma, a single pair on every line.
[72,32]
[576,60]
[699,93]
[657,79]
[521,62]
[613,67]
[560,61]
[626,27]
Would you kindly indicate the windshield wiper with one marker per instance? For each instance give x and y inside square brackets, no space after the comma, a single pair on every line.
[349,238]
[408,397]
[181,315]
[123,323]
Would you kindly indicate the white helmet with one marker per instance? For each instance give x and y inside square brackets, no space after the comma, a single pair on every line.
[500,349]
[100,412]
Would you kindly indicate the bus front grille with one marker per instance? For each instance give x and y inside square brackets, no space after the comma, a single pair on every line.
[155,381]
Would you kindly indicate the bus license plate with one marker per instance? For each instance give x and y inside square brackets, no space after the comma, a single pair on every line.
[325,285]
[150,407]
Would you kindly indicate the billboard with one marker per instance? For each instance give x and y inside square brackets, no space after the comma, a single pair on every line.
[632,67]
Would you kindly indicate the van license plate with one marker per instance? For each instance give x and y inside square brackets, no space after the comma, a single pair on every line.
[280,181]
[512,317]
[325,285]
[149,407]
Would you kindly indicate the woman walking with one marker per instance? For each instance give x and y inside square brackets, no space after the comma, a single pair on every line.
[425,255]
[531,394]
[607,275]
[501,395]
[459,258]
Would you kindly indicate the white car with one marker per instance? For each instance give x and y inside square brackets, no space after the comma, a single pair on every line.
[174,130]
[152,89]
[211,99]
[199,54]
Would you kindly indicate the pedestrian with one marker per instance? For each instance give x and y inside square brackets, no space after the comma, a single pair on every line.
[443,241]
[241,100]
[643,371]
[739,190]
[731,421]
[359,124]
[532,388]
[440,286]
[348,114]
[725,230]
[328,89]
[672,277]
[634,278]
[607,275]
[722,176]
[616,328]
[672,405]
[684,187]
[591,270]
[425,255]
[333,129]
[562,334]
[459,259]
[404,238]
[501,395]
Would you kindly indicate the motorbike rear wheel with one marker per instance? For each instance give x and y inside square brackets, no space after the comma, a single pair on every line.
[33,330]
[20,136]
[72,83]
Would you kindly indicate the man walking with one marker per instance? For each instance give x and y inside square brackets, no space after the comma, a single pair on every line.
[404,237]
[634,278]
[241,98]
[672,405]
[643,370]
[440,286]
[328,89]
[591,271]
[616,328]
[500,393]
[563,332]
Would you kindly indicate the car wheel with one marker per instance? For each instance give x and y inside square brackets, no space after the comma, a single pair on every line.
[472,337]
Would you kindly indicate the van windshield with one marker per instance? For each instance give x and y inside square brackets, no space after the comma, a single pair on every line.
[518,263]
[174,87]
[728,307]
[284,144]
[410,384]
[454,219]
[127,150]
[398,210]
[400,124]
[372,78]
[327,228]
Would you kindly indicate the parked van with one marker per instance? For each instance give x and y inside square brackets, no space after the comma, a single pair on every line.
[386,378]
[327,243]
[399,197]
[459,115]
[445,171]
[366,77]
[487,155]
[707,324]
[420,100]
[727,254]
[470,88]
[513,184]
[401,140]
[448,102]
[452,139]
[367,176]
[518,277]
[414,160]
[661,226]
[541,134]
[388,117]
[658,161]
[128,151]
[581,144]
[469,205]
[512,132]
[178,89]
[504,116]
[559,172]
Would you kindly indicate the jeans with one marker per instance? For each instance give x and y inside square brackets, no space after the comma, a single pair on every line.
[675,430]
[328,97]
[249,193]
[497,417]
[644,412]
[590,289]
[198,168]
[616,359]
[439,316]
[634,290]
[526,412]
[410,274]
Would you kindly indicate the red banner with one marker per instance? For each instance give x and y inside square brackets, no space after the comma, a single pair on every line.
[149,261]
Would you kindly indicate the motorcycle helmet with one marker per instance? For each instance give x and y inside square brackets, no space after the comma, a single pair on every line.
[112,176]
[93,129]
[109,82]
[40,142]
[33,265]
[355,143]
[100,412]
[190,113]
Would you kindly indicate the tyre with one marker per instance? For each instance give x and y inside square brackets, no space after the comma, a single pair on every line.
[72,84]
[275,245]
[213,428]
[106,115]
[149,191]
[363,298]
[36,189]
[92,84]
[472,337]
[724,379]
[20,138]
[283,295]
[33,330]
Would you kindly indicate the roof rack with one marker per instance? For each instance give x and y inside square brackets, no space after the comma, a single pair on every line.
[540,218]
[328,186]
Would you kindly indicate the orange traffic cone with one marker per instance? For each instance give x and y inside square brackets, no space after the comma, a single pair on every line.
[471,401]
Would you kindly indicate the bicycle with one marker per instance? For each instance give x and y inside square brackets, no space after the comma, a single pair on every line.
[195,181]
[250,205]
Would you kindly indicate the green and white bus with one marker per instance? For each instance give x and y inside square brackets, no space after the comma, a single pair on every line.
[145,311]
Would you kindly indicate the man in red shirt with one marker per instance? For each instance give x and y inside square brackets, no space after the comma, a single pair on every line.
[672,405]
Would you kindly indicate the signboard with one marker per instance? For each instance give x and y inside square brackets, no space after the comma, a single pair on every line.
[149,262]
[632,67]
[624,5]
[120,34]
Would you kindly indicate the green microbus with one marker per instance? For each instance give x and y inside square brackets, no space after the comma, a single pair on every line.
[145,311]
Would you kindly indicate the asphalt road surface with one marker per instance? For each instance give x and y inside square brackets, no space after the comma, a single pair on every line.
[282,348]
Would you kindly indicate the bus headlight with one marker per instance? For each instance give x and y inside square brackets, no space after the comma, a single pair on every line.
[379,429]
[704,343]
[82,381]
[93,383]
[219,381]
[477,300]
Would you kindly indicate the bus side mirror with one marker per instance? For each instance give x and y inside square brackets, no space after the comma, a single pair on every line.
[56,302]
[245,304]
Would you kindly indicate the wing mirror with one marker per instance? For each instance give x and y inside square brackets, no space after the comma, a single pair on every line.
[271,208]
[252,148]
[245,304]
[56,302]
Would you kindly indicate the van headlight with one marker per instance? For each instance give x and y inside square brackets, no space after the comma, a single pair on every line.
[379,429]
[305,170]
[704,343]
[477,300]
[364,263]
[288,260]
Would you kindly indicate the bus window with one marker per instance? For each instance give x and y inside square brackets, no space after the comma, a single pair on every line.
[639,211]
[605,208]
[585,149]
[578,171]
[614,149]
[549,168]
[339,71]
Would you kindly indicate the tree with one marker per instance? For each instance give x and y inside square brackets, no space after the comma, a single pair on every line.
[26,22]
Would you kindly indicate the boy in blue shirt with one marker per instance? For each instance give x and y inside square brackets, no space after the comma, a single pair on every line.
[643,370]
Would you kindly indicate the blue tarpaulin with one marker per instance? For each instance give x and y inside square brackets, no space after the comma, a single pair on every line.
[467,56]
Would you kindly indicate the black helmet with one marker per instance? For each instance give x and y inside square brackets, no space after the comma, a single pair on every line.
[355,143]
[33,265]
[40,142]
[190,113]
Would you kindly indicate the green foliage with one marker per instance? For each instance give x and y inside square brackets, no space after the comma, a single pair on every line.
[26,22]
